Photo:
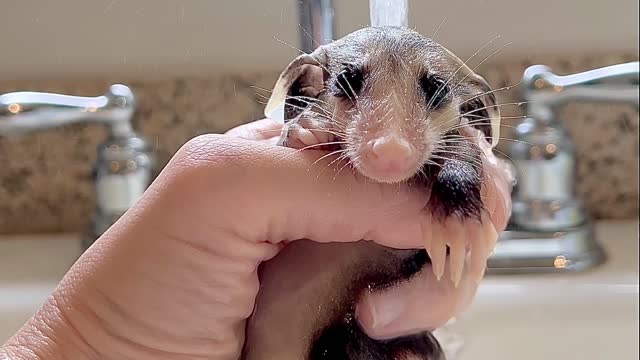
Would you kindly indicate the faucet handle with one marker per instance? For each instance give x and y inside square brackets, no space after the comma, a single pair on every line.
[27,111]
[543,86]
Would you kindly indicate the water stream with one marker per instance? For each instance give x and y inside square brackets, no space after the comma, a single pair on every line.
[389,12]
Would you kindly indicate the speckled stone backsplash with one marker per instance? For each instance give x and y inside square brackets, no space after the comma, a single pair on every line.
[45,181]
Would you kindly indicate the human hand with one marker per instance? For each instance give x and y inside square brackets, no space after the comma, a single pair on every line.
[175,277]
[401,310]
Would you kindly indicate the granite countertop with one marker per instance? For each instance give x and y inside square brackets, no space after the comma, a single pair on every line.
[45,183]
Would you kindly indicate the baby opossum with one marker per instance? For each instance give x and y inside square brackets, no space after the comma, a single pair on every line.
[397,106]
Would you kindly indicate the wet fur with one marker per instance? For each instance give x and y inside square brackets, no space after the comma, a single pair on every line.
[452,168]
[451,171]
[342,339]
[321,321]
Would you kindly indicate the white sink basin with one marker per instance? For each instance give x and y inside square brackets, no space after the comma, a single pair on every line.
[30,269]
[587,316]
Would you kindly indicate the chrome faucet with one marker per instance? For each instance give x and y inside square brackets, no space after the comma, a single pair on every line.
[124,164]
[550,230]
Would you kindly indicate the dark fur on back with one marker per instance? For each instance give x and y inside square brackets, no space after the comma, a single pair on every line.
[343,339]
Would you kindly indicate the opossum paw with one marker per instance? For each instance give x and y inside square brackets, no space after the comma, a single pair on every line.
[454,244]
[306,134]
[462,231]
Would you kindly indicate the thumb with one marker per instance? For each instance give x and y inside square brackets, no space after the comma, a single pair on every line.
[420,304]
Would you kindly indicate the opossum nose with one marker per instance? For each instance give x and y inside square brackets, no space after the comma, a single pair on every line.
[392,153]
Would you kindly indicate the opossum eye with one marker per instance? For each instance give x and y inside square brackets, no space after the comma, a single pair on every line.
[348,82]
[435,90]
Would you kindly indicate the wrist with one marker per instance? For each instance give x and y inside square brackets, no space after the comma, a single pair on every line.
[49,334]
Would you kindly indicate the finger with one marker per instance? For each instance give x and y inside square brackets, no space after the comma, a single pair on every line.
[497,184]
[271,193]
[264,129]
[420,304]
[498,194]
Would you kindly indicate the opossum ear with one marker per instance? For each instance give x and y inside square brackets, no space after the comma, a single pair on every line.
[481,110]
[301,82]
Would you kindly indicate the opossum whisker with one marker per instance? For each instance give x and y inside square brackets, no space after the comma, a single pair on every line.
[338,172]
[310,99]
[492,91]
[263,96]
[517,104]
[309,35]
[457,151]
[323,144]
[452,150]
[504,88]
[463,124]
[289,45]
[340,158]
[320,116]
[443,86]
[328,155]
[478,121]
[438,28]
[309,106]
[505,156]
[312,108]
[261,88]
[297,151]
[289,104]
[512,118]
[355,101]
[458,148]
[430,162]
[277,131]
[507,139]
[476,67]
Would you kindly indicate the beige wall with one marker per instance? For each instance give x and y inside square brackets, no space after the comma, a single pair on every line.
[180,37]
[193,67]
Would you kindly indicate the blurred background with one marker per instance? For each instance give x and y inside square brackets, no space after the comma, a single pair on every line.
[201,66]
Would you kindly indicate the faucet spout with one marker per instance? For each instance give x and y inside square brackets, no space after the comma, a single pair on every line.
[389,12]
[26,111]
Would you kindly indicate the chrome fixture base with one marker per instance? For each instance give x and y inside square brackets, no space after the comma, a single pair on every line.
[550,230]
[521,251]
